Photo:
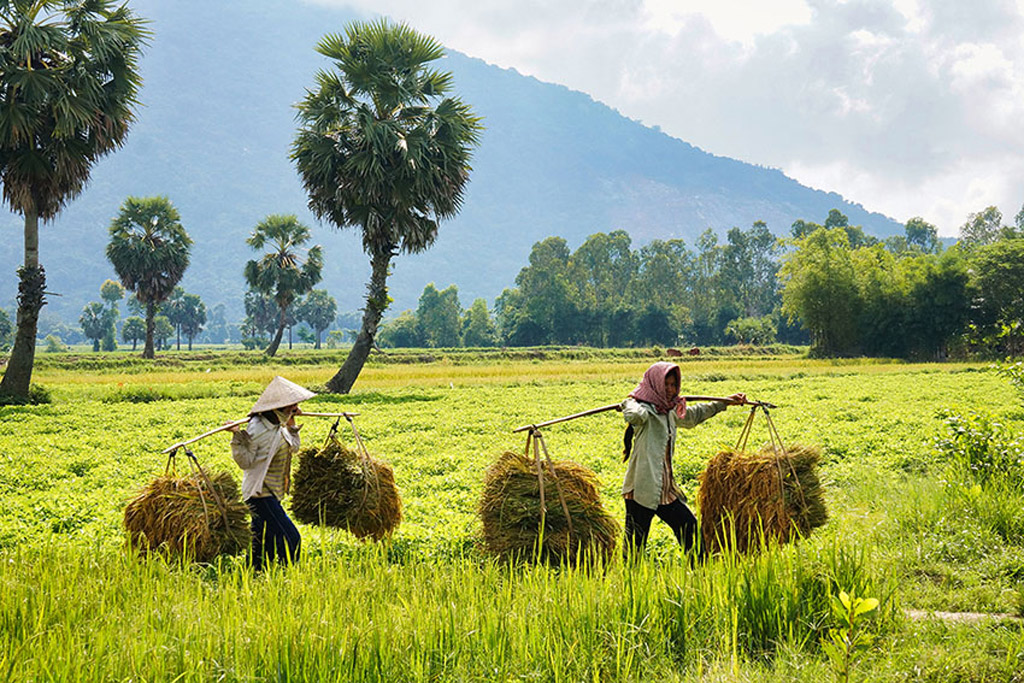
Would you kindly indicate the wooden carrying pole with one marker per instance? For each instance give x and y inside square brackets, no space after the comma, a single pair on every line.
[238,423]
[617,406]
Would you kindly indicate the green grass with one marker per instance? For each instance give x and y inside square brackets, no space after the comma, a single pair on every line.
[909,526]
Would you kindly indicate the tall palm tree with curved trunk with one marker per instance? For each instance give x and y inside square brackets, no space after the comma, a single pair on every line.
[149,250]
[68,84]
[379,148]
[282,273]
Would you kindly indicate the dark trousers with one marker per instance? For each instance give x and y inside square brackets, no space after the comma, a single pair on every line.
[675,514]
[274,536]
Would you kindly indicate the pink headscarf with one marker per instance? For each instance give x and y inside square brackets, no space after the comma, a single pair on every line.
[652,387]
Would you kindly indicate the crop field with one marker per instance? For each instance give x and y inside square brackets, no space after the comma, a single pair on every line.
[923,466]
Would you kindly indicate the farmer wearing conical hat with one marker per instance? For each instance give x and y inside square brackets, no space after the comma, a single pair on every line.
[264,452]
[653,411]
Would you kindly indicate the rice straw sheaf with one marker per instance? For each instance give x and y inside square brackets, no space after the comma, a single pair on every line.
[178,517]
[334,486]
[749,500]
[510,511]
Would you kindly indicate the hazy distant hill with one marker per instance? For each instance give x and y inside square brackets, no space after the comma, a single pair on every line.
[221,78]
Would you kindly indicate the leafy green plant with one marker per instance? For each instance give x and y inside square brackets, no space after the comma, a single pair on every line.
[846,643]
[1013,372]
[982,447]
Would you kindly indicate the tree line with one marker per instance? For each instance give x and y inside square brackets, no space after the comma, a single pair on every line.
[906,296]
[605,293]
[829,284]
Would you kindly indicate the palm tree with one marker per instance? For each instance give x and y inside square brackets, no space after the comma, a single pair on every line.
[95,320]
[377,151]
[318,311]
[149,250]
[281,273]
[68,84]
[193,316]
[133,330]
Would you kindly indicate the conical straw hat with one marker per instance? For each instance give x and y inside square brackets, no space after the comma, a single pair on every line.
[280,393]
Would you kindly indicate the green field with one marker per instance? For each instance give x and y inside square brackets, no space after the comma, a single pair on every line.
[916,525]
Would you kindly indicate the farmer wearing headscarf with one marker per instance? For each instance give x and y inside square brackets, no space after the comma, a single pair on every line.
[264,452]
[653,411]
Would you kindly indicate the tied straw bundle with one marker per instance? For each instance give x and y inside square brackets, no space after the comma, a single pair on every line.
[196,517]
[751,500]
[339,487]
[518,523]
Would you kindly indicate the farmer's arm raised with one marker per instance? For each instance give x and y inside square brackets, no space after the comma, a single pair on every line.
[698,412]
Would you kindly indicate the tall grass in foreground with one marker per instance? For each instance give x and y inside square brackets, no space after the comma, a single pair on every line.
[358,617]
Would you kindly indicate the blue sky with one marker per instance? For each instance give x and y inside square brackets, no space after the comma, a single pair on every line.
[911,108]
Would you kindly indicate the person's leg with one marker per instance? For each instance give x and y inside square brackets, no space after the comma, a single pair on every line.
[681,520]
[638,525]
[259,530]
[286,539]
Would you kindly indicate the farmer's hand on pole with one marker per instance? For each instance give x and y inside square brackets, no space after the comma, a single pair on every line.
[738,399]
[233,428]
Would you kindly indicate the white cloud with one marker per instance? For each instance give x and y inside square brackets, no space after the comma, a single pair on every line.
[734,20]
[910,107]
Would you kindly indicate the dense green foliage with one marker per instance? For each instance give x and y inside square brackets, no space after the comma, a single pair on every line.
[440,322]
[852,293]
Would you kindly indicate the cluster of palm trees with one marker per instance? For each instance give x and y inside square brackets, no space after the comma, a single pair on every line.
[379,148]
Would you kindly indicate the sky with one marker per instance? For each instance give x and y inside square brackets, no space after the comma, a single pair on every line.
[909,107]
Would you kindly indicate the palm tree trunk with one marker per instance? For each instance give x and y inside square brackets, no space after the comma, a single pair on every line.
[376,304]
[18,376]
[319,333]
[272,349]
[150,325]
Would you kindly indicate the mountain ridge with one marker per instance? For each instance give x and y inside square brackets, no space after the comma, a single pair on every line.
[217,122]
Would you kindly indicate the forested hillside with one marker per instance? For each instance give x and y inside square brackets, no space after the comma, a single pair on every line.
[217,122]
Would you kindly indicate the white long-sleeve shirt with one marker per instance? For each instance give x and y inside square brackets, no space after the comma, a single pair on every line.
[254,449]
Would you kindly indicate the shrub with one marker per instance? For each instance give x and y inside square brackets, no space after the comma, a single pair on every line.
[54,344]
[1013,372]
[982,448]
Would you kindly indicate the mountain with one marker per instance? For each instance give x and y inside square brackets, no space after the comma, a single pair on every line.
[221,79]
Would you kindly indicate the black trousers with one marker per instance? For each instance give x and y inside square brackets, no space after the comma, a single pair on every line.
[676,514]
[274,536]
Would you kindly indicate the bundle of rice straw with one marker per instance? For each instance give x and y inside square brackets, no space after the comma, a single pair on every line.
[180,517]
[760,498]
[338,487]
[510,511]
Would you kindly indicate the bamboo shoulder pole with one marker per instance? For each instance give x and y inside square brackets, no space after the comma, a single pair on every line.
[305,414]
[592,411]
[238,423]
[229,425]
[616,406]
